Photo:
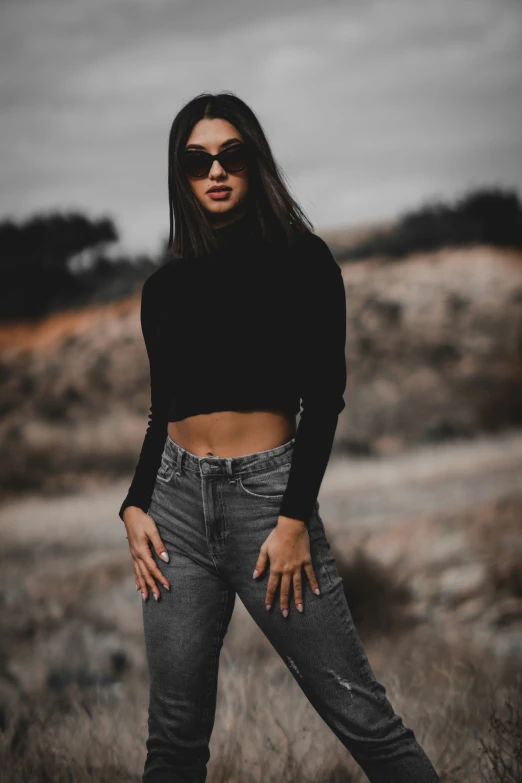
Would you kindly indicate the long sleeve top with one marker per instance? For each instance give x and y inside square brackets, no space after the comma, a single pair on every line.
[253,326]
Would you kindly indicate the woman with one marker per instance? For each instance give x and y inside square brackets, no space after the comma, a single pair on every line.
[245,325]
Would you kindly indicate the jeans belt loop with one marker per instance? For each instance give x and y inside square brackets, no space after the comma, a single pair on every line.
[230,472]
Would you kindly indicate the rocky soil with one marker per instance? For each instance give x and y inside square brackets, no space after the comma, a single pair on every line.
[434,347]
[445,521]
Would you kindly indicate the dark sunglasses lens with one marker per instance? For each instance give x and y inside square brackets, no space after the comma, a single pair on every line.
[196,164]
[235,158]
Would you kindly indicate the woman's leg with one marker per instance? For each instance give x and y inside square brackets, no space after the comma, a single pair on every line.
[184,633]
[323,651]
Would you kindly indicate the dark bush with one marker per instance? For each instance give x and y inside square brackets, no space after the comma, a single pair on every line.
[56,261]
[485,216]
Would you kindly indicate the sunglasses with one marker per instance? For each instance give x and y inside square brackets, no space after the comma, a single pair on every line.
[198,164]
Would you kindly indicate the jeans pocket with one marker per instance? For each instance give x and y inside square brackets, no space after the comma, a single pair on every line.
[166,469]
[268,484]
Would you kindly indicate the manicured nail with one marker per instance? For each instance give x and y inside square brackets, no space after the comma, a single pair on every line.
[167,587]
[255,574]
[285,612]
[268,606]
[164,556]
[143,596]
[137,587]
[156,596]
[317,591]
[299,607]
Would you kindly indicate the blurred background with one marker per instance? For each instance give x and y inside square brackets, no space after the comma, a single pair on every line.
[397,125]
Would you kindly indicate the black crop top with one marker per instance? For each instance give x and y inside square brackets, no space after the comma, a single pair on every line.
[253,326]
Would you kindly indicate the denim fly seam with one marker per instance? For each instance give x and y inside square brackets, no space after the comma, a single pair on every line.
[211,471]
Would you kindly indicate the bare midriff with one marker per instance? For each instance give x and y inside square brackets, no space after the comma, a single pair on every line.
[232,433]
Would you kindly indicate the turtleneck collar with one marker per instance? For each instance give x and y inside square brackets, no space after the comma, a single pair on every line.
[240,231]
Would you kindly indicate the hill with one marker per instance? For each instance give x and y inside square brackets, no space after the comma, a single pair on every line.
[434,351]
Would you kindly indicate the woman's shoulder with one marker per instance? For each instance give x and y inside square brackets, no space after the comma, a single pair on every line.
[314,256]
[156,283]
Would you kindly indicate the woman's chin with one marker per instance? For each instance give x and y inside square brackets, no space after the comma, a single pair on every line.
[222,209]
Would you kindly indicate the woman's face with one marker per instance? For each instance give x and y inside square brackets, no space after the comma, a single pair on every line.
[213,136]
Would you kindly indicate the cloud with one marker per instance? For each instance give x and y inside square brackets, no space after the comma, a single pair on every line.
[369,106]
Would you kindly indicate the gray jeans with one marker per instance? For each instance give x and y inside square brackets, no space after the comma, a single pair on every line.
[213,514]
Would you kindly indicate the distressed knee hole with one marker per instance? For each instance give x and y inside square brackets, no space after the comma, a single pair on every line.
[342,682]
[293,666]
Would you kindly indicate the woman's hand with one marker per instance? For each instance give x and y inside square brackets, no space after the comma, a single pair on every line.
[288,549]
[141,532]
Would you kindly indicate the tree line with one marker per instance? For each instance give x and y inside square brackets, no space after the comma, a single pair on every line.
[491,216]
[54,261]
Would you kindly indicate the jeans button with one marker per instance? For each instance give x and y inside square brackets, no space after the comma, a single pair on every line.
[205,467]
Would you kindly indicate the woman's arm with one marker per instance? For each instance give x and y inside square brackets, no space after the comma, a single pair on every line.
[142,486]
[322,375]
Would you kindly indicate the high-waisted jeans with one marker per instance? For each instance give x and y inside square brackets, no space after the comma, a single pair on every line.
[213,515]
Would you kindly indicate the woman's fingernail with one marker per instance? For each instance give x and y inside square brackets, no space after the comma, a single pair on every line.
[268,606]
[155,596]
[164,556]
[317,591]
[167,587]
[299,607]
[143,596]
[285,612]
[256,573]
[137,587]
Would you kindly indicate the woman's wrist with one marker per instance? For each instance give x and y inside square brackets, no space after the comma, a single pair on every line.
[290,522]
[126,509]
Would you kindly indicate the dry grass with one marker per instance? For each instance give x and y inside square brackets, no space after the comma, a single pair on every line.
[73,685]
[502,749]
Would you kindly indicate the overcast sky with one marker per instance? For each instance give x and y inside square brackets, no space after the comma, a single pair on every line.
[370,106]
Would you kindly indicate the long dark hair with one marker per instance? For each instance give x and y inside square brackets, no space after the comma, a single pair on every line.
[278,215]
